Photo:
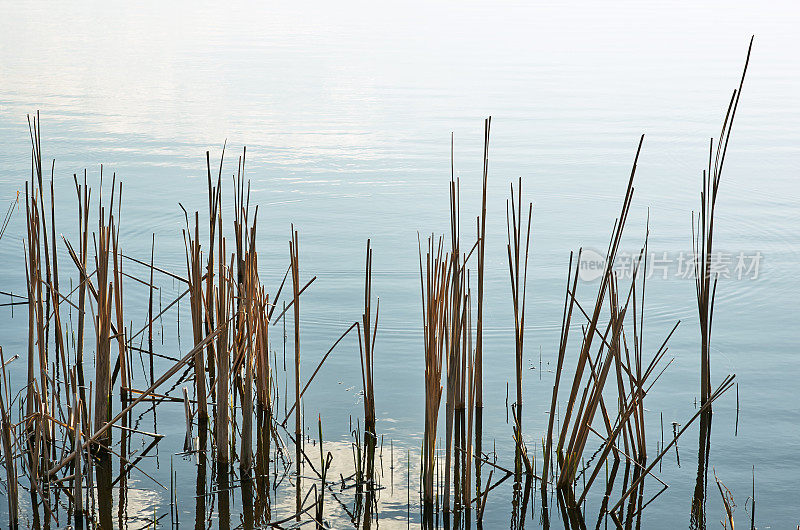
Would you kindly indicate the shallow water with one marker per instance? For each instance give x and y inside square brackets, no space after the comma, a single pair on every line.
[347,110]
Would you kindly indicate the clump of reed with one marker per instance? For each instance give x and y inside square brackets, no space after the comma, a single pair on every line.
[633,379]
[518,251]
[434,276]
[64,445]
[194,269]
[703,234]
[220,355]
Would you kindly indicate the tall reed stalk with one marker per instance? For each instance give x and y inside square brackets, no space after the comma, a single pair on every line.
[367,346]
[224,301]
[294,256]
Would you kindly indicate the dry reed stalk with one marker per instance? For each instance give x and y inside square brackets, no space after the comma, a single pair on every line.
[592,327]
[224,300]
[84,200]
[32,280]
[262,364]
[592,397]
[54,287]
[38,430]
[150,319]
[566,319]
[43,296]
[102,381]
[7,434]
[470,377]
[481,261]
[434,282]
[214,220]
[703,235]
[118,308]
[636,377]
[252,306]
[77,481]
[518,276]
[727,502]
[196,303]
[366,346]
[453,337]
[294,257]
[478,368]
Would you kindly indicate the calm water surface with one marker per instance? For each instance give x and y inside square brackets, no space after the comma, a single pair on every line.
[347,111]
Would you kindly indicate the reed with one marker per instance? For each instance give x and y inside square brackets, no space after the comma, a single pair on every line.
[366,342]
[453,403]
[478,359]
[253,324]
[434,281]
[197,299]
[294,258]
[58,430]
[566,319]
[727,502]
[84,200]
[224,294]
[518,250]
[214,221]
[7,435]
[122,359]
[703,234]
[481,266]
[105,288]
[77,481]
[570,460]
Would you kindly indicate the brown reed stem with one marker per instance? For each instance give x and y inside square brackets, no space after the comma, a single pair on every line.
[294,255]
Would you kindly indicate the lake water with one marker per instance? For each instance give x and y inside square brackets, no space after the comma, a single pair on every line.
[347,110]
